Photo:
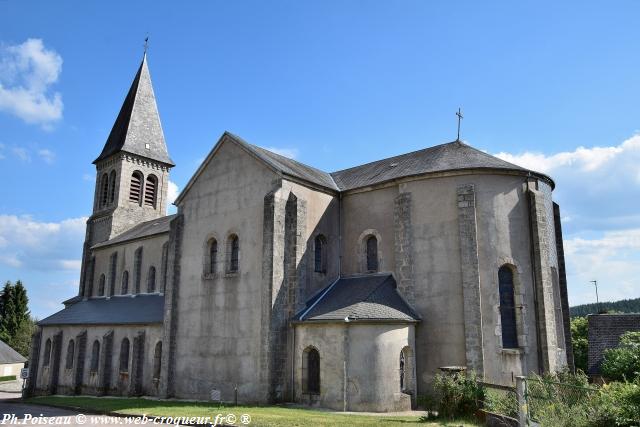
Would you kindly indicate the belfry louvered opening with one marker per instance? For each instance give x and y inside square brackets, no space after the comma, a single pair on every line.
[135,190]
[150,191]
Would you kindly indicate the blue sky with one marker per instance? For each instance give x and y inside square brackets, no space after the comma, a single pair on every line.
[550,85]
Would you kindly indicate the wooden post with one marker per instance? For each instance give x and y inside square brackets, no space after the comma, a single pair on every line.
[523,410]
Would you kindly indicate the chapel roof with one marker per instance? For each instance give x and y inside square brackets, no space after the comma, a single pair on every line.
[117,310]
[138,123]
[144,229]
[366,297]
[9,355]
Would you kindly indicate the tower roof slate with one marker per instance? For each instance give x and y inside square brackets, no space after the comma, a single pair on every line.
[138,123]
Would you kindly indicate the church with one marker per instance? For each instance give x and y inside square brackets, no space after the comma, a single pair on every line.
[279,282]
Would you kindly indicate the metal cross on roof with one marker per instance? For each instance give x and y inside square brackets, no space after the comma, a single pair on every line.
[460,117]
[146,44]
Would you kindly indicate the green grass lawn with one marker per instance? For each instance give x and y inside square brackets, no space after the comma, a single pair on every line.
[262,416]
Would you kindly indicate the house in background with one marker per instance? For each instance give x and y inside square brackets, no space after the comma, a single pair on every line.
[10,361]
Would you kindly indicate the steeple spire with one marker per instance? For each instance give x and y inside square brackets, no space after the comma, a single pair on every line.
[137,129]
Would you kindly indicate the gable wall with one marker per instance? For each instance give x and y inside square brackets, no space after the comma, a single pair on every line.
[219,318]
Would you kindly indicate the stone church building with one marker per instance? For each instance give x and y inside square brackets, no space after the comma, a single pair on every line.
[276,281]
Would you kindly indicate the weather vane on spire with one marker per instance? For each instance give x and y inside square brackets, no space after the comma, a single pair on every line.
[460,117]
[146,44]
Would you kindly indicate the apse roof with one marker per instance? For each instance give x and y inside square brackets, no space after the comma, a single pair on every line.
[366,297]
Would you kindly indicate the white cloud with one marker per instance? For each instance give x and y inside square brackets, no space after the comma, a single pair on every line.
[582,159]
[612,259]
[21,153]
[70,264]
[47,155]
[27,71]
[598,190]
[172,192]
[291,153]
[88,177]
[35,245]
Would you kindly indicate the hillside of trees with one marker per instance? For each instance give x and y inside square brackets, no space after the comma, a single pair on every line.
[622,306]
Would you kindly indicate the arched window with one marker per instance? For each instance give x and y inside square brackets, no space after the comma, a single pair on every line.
[151,280]
[71,348]
[372,253]
[212,254]
[311,371]
[233,253]
[320,254]
[135,190]
[507,308]
[124,355]
[47,353]
[101,286]
[104,190]
[124,287]
[95,356]
[112,186]
[406,371]
[157,361]
[137,269]
[150,191]
[112,273]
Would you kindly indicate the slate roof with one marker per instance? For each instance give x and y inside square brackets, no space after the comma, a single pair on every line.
[144,229]
[117,310]
[369,297]
[9,355]
[138,123]
[289,166]
[454,155]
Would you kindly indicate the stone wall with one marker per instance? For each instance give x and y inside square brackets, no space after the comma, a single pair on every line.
[346,381]
[604,333]
[108,379]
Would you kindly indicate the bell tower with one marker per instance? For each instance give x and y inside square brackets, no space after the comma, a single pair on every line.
[132,171]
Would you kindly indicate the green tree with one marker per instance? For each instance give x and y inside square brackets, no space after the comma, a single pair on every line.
[623,362]
[580,342]
[16,325]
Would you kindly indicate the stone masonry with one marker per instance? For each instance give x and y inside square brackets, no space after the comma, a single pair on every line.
[470,277]
[543,281]
[404,245]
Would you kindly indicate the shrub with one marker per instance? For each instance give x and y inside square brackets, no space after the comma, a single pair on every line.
[458,395]
[501,402]
[618,404]
[8,378]
[623,363]
[562,399]
[580,342]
